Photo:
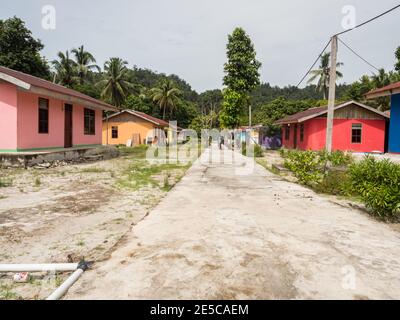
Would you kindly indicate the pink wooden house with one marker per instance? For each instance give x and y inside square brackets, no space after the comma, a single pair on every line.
[39,115]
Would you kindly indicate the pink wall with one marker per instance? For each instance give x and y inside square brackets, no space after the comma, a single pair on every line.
[28,118]
[30,138]
[79,138]
[8,116]
[373,135]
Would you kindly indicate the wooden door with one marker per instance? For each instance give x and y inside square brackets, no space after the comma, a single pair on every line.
[295,137]
[68,126]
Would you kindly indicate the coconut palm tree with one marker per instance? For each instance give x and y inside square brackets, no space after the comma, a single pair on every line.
[65,69]
[166,95]
[115,86]
[85,62]
[380,79]
[322,74]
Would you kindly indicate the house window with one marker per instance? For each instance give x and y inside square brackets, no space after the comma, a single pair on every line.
[114,132]
[89,121]
[356,131]
[287,132]
[302,132]
[43,115]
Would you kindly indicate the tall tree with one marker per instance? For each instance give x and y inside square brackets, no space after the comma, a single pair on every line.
[397,65]
[166,95]
[241,76]
[115,86]
[380,79]
[323,74]
[19,50]
[85,62]
[65,69]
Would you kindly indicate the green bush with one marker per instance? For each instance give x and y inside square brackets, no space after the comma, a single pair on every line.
[336,158]
[378,184]
[305,165]
[335,182]
[256,152]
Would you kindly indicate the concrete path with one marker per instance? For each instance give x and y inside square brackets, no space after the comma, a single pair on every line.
[231,231]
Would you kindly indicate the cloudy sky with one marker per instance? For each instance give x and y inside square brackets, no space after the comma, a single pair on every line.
[188,37]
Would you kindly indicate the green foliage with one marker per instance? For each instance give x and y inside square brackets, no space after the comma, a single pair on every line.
[322,74]
[335,182]
[305,165]
[336,158]
[115,86]
[269,113]
[257,151]
[5,182]
[241,70]
[166,96]
[19,50]
[378,183]
[232,107]
[204,122]
[397,55]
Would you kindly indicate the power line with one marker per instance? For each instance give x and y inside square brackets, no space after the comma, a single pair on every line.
[348,30]
[312,66]
[368,21]
[348,47]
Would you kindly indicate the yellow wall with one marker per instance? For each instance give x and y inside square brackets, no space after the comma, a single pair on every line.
[126,130]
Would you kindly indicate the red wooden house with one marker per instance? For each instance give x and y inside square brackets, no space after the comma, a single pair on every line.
[356,127]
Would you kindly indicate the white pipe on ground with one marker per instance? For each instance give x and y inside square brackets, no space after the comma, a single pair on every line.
[62,290]
[38,267]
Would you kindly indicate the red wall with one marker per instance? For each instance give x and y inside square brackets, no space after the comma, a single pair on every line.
[373,135]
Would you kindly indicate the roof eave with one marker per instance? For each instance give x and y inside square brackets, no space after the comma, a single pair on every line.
[71,99]
[385,93]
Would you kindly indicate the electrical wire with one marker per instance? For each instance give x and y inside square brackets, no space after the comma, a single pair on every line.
[348,47]
[315,62]
[368,21]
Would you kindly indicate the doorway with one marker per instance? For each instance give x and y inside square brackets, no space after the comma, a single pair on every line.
[68,126]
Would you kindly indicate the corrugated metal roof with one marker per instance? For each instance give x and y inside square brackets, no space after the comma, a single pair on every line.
[47,85]
[144,116]
[315,112]
[297,116]
[384,91]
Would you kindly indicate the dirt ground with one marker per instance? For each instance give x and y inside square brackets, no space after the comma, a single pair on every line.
[64,214]
[237,231]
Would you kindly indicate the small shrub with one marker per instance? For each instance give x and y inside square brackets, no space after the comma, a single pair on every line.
[335,182]
[378,184]
[38,182]
[5,183]
[336,158]
[305,165]
[256,151]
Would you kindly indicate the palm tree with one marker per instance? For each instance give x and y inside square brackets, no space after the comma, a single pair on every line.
[85,62]
[115,85]
[65,69]
[323,74]
[381,79]
[166,95]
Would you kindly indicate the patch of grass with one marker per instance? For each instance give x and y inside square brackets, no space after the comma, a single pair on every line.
[6,293]
[80,243]
[4,183]
[137,151]
[93,170]
[141,174]
[167,186]
[38,182]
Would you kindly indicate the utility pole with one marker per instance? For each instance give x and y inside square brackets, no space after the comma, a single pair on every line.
[249,115]
[332,91]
